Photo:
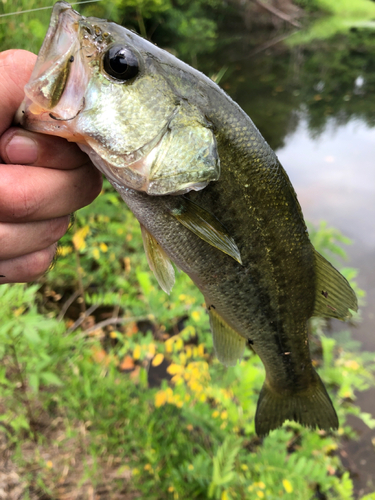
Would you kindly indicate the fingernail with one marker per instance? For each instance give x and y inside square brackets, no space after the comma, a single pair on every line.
[22,150]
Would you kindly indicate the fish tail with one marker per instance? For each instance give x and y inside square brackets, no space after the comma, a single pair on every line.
[311,407]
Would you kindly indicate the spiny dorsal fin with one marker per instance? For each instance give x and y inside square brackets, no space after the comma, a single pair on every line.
[207,227]
[229,345]
[334,296]
[158,261]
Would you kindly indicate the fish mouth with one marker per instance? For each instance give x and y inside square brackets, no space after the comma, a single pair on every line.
[47,95]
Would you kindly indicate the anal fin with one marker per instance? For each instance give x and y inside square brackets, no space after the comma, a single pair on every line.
[333,294]
[229,345]
[158,261]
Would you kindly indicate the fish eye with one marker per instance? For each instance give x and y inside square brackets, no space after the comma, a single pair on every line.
[120,63]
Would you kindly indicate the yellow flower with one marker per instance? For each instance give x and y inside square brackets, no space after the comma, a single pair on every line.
[195,315]
[137,352]
[224,496]
[96,253]
[260,494]
[64,250]
[79,238]
[201,350]
[169,345]
[191,467]
[175,369]
[288,486]
[49,464]
[158,359]
[147,467]
[215,414]
[152,349]
[103,247]
[160,398]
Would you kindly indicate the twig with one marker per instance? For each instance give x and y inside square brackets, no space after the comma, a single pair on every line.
[81,319]
[67,304]
[269,44]
[110,321]
[79,281]
[25,398]
[116,309]
[278,13]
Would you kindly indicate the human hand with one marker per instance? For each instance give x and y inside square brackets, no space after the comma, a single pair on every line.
[43,180]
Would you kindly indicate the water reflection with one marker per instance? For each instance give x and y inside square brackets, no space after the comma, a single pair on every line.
[334,177]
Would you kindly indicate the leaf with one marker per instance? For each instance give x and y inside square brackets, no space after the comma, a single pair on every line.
[50,378]
[32,336]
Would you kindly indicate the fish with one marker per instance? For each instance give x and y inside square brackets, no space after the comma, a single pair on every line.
[209,193]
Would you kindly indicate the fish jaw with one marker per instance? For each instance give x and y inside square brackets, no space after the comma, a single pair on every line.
[51,104]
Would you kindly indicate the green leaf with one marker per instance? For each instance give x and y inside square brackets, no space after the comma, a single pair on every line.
[50,378]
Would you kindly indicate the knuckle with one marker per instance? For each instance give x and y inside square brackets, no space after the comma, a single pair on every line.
[56,228]
[19,204]
[37,263]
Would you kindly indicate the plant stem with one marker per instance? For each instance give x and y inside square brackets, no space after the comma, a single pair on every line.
[25,399]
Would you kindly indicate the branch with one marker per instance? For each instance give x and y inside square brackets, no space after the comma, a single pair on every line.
[278,13]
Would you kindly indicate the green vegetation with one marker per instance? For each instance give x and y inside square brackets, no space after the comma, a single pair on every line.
[135,391]
[339,17]
[108,385]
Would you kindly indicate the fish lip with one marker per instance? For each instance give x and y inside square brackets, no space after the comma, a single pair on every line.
[63,17]
[59,44]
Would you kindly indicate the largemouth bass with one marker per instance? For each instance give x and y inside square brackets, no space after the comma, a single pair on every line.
[209,193]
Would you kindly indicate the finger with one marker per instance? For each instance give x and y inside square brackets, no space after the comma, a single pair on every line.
[30,194]
[28,267]
[24,238]
[22,147]
[15,70]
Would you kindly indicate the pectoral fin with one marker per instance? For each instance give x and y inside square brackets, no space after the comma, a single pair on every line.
[158,261]
[206,227]
[334,296]
[229,345]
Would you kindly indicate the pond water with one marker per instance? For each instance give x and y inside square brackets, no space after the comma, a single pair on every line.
[320,124]
[334,177]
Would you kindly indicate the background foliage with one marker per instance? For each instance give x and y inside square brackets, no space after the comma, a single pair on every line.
[108,385]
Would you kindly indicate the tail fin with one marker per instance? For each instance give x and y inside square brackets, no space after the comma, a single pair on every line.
[311,408]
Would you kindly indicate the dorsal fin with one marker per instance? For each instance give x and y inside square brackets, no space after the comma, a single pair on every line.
[229,345]
[158,261]
[206,226]
[334,297]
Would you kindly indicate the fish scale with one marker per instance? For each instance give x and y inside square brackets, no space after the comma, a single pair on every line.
[209,193]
